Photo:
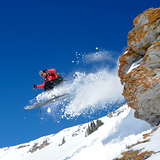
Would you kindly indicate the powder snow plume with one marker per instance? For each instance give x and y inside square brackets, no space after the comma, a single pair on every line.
[92,91]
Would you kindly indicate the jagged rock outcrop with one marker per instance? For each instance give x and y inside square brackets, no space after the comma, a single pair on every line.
[142,84]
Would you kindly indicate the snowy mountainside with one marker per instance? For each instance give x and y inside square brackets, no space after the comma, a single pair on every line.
[120,133]
[39,147]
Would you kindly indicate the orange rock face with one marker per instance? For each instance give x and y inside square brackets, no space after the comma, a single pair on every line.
[142,83]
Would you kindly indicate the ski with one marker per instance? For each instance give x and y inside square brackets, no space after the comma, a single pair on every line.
[49,101]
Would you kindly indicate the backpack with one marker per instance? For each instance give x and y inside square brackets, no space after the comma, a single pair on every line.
[60,78]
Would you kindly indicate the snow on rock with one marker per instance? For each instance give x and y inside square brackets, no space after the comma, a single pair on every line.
[110,141]
[142,84]
[146,148]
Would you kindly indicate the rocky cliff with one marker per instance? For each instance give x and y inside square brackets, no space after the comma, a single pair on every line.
[142,84]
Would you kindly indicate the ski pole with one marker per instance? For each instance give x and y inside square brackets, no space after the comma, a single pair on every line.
[67,74]
[39,107]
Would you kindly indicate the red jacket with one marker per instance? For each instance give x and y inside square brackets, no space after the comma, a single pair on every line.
[49,77]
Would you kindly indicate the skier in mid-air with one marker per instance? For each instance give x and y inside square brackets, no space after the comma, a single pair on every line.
[52,79]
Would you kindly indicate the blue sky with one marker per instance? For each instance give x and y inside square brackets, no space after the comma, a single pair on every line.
[38,35]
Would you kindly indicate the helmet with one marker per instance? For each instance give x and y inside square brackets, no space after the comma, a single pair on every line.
[40,72]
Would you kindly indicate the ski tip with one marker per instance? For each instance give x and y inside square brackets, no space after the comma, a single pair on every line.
[25,107]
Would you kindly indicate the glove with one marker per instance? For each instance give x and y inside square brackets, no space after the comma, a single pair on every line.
[44,70]
[35,86]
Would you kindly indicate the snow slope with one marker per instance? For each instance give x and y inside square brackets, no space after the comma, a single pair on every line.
[120,130]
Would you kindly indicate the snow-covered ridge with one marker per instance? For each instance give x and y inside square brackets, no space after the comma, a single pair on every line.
[121,133]
[24,151]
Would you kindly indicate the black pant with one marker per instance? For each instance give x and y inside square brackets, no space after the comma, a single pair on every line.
[51,84]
